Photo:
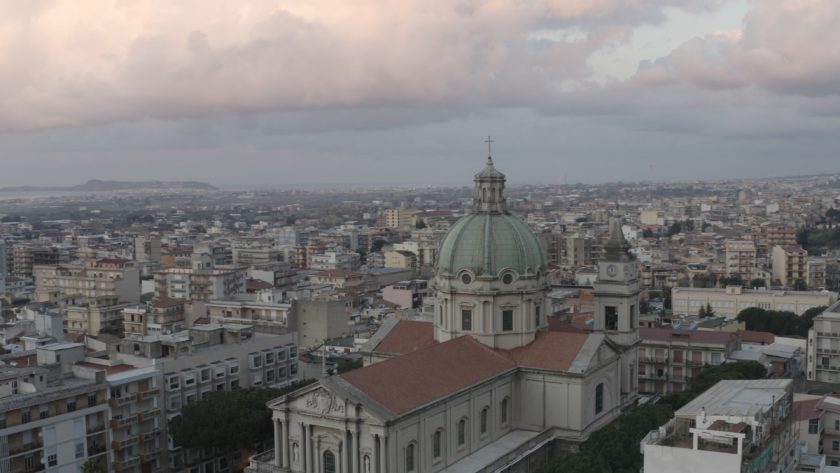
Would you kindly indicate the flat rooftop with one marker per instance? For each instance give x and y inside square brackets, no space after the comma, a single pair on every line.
[740,398]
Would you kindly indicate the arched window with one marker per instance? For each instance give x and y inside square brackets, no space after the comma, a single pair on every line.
[409,457]
[599,398]
[437,441]
[483,420]
[329,462]
[462,432]
[504,411]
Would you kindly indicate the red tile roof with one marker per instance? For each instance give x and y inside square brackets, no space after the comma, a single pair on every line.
[754,336]
[164,302]
[121,368]
[257,285]
[407,336]
[553,350]
[809,408]
[417,378]
[693,336]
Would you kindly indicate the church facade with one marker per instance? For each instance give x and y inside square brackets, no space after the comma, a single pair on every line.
[489,380]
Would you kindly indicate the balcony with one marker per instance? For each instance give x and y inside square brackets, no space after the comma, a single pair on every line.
[26,447]
[694,362]
[148,415]
[146,395]
[124,443]
[126,464]
[94,449]
[125,421]
[655,360]
[149,437]
[120,401]
[653,376]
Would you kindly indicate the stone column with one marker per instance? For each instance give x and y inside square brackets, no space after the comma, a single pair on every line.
[278,439]
[304,448]
[342,454]
[287,449]
[351,453]
[383,454]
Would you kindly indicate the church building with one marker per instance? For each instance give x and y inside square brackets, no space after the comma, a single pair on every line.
[486,384]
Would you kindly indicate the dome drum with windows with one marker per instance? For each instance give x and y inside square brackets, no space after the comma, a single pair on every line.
[490,280]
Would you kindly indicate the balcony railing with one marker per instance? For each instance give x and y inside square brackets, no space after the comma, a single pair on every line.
[126,464]
[655,360]
[264,463]
[119,423]
[120,401]
[25,448]
[144,395]
[122,444]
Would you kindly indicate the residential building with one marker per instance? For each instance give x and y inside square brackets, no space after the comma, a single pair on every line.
[93,315]
[399,218]
[733,427]
[819,425]
[200,284]
[51,420]
[207,358]
[816,268]
[406,294]
[731,300]
[789,265]
[104,277]
[669,358]
[401,259]
[779,235]
[740,259]
[247,255]
[338,278]
[823,363]
[265,310]
[147,249]
[336,260]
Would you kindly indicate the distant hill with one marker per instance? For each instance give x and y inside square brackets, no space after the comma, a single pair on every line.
[98,185]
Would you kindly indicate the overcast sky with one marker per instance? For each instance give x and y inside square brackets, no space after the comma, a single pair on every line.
[282,92]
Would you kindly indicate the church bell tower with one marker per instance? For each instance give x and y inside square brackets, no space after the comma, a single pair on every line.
[616,301]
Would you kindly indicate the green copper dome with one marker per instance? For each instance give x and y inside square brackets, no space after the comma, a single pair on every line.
[489,239]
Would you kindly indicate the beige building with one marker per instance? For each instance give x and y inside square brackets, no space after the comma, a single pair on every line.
[105,277]
[400,259]
[819,425]
[91,316]
[264,310]
[730,301]
[399,218]
[778,235]
[740,259]
[339,278]
[789,265]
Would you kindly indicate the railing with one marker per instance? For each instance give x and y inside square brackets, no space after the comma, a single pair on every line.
[121,444]
[126,464]
[118,423]
[148,415]
[25,448]
[694,362]
[142,396]
[264,463]
[147,437]
[120,401]
[656,360]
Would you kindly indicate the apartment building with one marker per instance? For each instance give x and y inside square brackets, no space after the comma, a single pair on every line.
[778,235]
[823,362]
[338,278]
[91,316]
[740,259]
[265,310]
[25,257]
[148,249]
[669,358]
[406,294]
[731,300]
[104,277]
[401,259]
[819,425]
[51,420]
[816,269]
[399,218]
[247,255]
[207,358]
[733,427]
[332,260]
[199,284]
[789,264]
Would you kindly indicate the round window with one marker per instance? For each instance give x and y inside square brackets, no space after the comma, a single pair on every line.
[466,278]
[507,278]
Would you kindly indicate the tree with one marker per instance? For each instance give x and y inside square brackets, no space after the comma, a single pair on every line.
[229,420]
[647,233]
[94,465]
[800,285]
[781,323]
[709,311]
[420,224]
[758,282]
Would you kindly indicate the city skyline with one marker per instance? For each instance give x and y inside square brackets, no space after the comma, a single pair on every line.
[299,93]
